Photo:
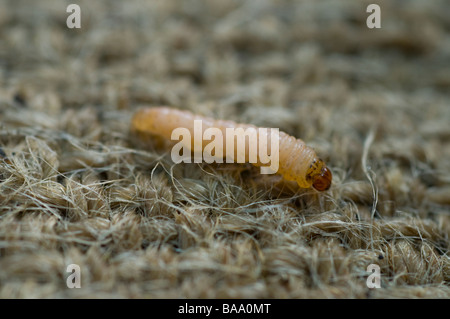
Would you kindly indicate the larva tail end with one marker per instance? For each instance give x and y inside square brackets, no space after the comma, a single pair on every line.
[140,119]
[322,181]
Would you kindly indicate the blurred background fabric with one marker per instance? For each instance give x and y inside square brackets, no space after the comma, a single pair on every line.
[76,187]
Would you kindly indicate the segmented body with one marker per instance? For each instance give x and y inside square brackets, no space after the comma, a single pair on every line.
[297,161]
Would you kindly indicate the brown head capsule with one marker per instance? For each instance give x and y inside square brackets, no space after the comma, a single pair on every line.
[322,181]
[318,175]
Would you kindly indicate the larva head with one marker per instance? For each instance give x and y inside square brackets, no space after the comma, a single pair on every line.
[322,181]
[319,175]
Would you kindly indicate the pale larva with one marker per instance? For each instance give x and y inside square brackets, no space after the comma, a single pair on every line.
[297,162]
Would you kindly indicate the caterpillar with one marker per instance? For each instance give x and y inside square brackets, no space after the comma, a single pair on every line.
[297,162]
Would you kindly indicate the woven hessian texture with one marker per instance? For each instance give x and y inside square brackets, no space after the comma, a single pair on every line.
[77,187]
